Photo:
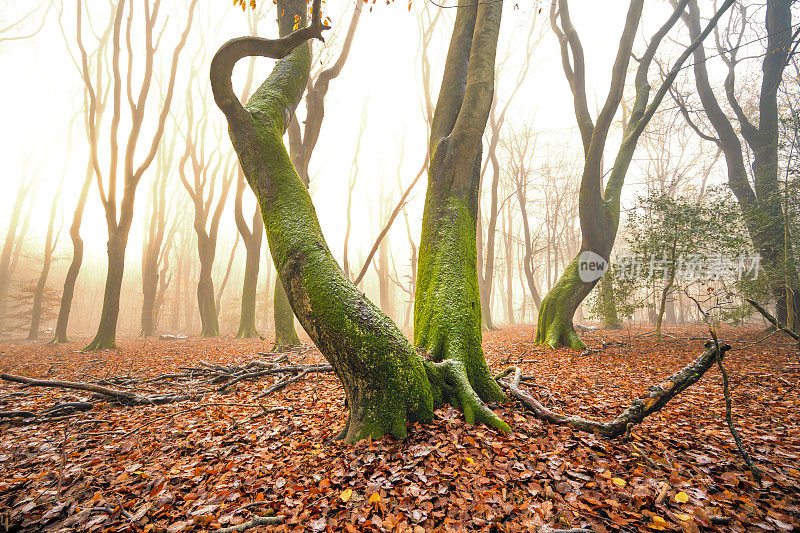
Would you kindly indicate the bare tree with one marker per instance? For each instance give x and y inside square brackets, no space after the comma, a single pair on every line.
[120,216]
[50,244]
[521,146]
[206,167]
[760,202]
[12,238]
[599,205]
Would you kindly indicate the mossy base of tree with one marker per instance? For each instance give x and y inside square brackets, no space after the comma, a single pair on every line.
[554,327]
[248,333]
[102,341]
[447,311]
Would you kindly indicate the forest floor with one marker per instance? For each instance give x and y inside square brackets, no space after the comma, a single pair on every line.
[206,463]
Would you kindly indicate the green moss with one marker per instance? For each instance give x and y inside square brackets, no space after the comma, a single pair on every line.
[447,311]
[554,328]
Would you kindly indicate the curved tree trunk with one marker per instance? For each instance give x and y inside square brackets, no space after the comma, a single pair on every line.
[60,335]
[599,207]
[206,303]
[447,309]
[387,383]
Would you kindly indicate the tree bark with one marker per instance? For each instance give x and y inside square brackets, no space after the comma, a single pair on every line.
[387,383]
[68,292]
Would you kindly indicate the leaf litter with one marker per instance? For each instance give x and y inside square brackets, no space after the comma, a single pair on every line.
[208,463]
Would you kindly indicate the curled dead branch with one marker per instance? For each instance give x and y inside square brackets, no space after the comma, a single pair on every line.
[656,399]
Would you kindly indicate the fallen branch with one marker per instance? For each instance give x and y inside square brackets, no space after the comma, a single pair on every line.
[255,522]
[772,319]
[658,396]
[282,384]
[729,419]
[17,414]
[123,397]
[103,391]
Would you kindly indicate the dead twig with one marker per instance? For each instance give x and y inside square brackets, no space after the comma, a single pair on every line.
[255,522]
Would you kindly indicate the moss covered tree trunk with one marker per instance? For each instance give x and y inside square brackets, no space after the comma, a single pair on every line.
[387,383]
[447,308]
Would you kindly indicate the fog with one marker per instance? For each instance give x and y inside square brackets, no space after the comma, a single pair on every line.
[44,144]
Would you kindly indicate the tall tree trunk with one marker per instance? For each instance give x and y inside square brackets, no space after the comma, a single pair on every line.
[509,249]
[118,218]
[206,303]
[150,278]
[447,310]
[247,319]
[67,294]
[387,383]
[252,242]
[106,336]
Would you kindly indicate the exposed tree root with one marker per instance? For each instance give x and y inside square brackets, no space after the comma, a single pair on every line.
[658,396]
[451,377]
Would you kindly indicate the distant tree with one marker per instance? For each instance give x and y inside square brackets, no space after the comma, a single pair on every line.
[157,239]
[50,243]
[599,205]
[760,201]
[209,169]
[119,217]
[13,244]
[668,236]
